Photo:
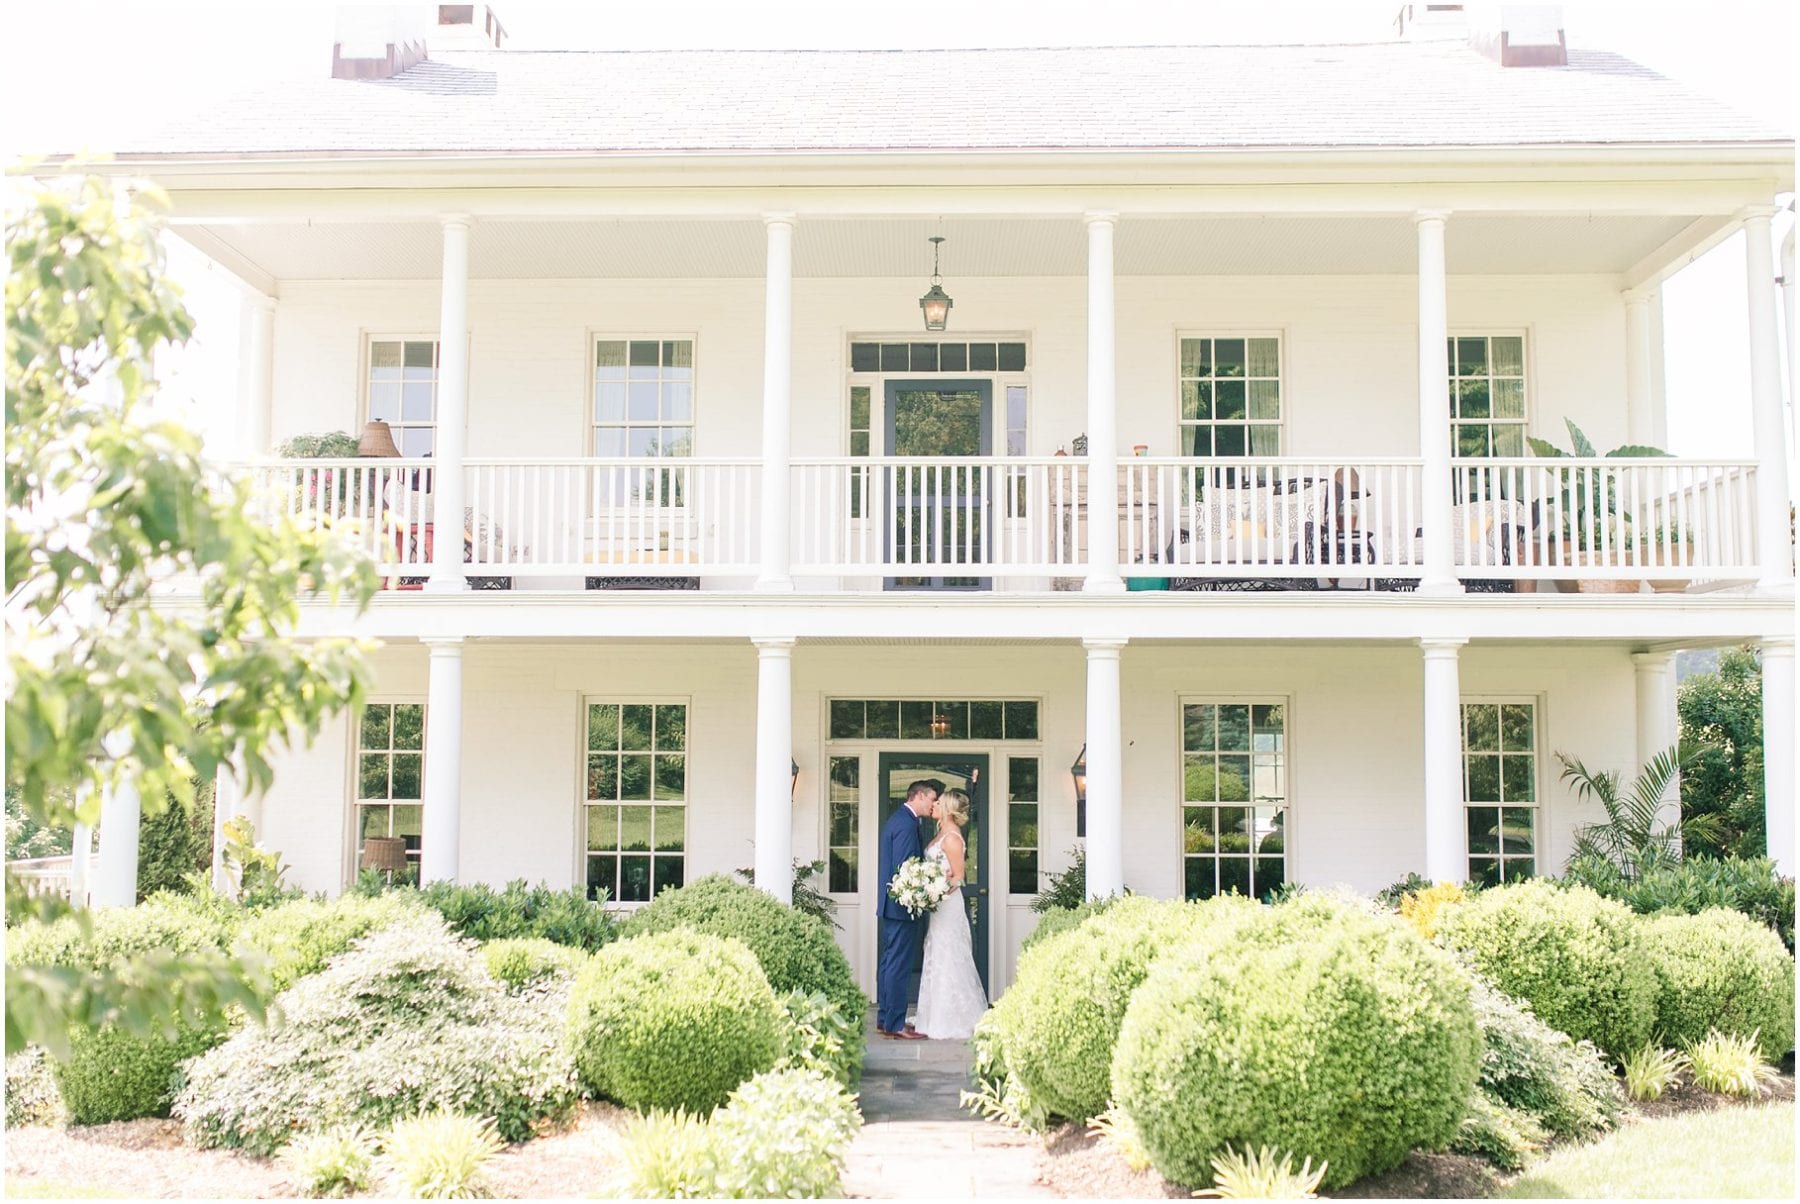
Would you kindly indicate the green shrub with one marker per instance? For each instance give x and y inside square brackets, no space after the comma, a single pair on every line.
[998,1093]
[1504,1135]
[821,1038]
[407,1021]
[111,1074]
[332,1163]
[438,1156]
[1652,1070]
[301,937]
[1320,1028]
[1749,885]
[783,1135]
[673,1020]
[663,1156]
[1721,970]
[1575,957]
[1258,1175]
[796,952]
[1067,890]
[1562,1084]
[1063,1011]
[114,934]
[481,913]
[175,845]
[31,1097]
[521,962]
[1061,919]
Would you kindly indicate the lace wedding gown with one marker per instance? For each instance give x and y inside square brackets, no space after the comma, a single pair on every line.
[951,998]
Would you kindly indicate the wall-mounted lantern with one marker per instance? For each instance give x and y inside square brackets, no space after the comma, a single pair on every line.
[1078,771]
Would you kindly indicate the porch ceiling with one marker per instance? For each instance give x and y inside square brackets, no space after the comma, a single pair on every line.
[976,247]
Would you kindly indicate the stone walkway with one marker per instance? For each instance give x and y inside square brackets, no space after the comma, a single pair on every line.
[916,1143]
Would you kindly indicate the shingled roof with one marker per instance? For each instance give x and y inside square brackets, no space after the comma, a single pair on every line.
[1388,95]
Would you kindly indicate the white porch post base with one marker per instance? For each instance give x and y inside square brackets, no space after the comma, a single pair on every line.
[121,814]
[1778,751]
[1439,576]
[1105,771]
[778,386]
[440,857]
[451,437]
[1445,835]
[774,773]
[1656,724]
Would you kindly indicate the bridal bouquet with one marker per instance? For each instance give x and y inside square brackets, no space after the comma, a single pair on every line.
[919,885]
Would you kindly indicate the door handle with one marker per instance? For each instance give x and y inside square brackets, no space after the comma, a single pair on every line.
[982,892]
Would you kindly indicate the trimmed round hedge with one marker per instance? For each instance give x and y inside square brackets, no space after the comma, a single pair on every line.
[1578,959]
[1319,1028]
[1722,970]
[796,952]
[112,1075]
[1063,1011]
[673,1020]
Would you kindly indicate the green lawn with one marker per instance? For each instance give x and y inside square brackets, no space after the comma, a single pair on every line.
[1735,1153]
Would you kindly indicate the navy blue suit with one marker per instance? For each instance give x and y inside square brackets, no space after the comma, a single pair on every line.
[901,934]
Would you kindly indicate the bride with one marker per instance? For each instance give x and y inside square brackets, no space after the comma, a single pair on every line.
[951,998]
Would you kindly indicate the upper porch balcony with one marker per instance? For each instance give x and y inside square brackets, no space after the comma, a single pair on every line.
[1027,523]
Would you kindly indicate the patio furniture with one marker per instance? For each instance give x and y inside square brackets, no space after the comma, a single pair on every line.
[1255,526]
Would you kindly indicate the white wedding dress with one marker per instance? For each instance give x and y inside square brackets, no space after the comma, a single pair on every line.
[951,998]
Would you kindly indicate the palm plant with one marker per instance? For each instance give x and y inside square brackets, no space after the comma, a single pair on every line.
[1635,836]
[1586,499]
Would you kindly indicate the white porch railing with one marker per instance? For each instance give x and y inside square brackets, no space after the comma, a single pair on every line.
[384,505]
[1262,517]
[1623,519]
[673,517]
[922,517]
[44,875]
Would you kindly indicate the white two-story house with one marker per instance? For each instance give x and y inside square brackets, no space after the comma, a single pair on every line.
[1135,438]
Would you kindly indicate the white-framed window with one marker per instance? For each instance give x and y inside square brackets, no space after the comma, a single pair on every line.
[634,805]
[843,804]
[643,396]
[1500,788]
[1230,402]
[1234,796]
[1023,836]
[1487,394]
[390,776]
[402,390]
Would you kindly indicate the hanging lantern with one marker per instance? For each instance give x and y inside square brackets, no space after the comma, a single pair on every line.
[936,302]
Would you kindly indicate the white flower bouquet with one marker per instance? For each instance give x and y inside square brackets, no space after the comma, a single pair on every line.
[919,885]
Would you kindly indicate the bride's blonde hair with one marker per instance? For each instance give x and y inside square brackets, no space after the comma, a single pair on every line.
[954,805]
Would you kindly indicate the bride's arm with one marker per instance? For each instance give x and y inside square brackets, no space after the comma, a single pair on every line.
[953,851]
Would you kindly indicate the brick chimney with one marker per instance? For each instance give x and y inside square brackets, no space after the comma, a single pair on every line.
[1527,35]
[379,41]
[468,27]
[1432,23]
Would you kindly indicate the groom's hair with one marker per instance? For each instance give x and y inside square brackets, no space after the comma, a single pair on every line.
[921,787]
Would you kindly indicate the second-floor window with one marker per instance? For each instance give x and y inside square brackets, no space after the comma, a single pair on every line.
[1487,394]
[403,384]
[644,397]
[1230,396]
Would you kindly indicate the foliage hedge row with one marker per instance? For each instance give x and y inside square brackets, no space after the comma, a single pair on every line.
[673,1020]
[1320,1027]
[299,937]
[523,962]
[796,952]
[1750,885]
[481,913]
[1061,919]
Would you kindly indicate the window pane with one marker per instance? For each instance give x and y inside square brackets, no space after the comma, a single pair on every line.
[1198,727]
[602,828]
[843,872]
[670,872]
[1197,829]
[1234,727]
[1471,357]
[1012,357]
[884,719]
[1021,721]
[609,360]
[376,725]
[1200,782]
[1234,875]
[1474,399]
[1234,779]
[843,825]
[1516,727]
[610,443]
[1518,779]
[859,408]
[1265,399]
[420,355]
[1484,871]
[1228,357]
[986,721]
[1481,727]
[671,776]
[1201,880]
[1484,834]
[1199,441]
[1271,875]
[603,726]
[1231,441]
[953,357]
[671,829]
[1022,778]
[953,720]
[915,720]
[846,719]
[603,776]
[634,877]
[1484,779]
[983,358]
[1508,440]
[375,821]
[1022,876]
[409,726]
[893,357]
[1509,355]
[645,355]
[1516,834]
[1509,399]
[385,357]
[406,776]
[384,401]
[1265,357]
[414,442]
[603,878]
[924,357]
[634,728]
[372,781]
[671,728]
[865,357]
[1228,399]
[1022,825]
[1196,400]
[1196,357]
[634,829]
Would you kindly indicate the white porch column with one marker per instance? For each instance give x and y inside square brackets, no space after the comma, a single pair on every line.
[1640,402]
[1105,771]
[1778,751]
[774,761]
[81,853]
[1765,400]
[256,373]
[120,815]
[451,438]
[778,384]
[1102,418]
[1434,414]
[441,855]
[1657,726]
[1446,833]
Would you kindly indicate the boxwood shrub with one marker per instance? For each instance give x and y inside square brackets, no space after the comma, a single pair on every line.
[407,1021]
[300,937]
[521,962]
[111,1074]
[161,923]
[674,1020]
[1318,1028]
[796,952]
[1721,970]
[1575,957]
[1063,1011]
[1061,919]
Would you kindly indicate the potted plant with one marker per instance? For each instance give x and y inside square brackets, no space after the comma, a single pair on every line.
[1587,505]
[1669,546]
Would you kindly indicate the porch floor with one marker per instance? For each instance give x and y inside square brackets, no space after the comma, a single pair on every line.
[916,1143]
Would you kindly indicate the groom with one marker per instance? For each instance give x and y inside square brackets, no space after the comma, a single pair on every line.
[901,934]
